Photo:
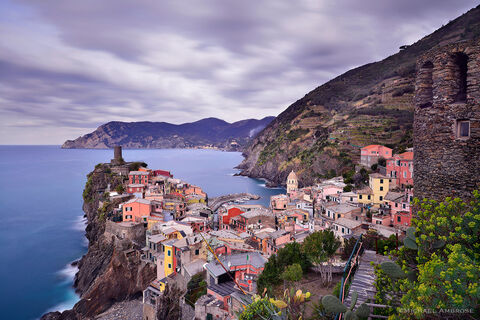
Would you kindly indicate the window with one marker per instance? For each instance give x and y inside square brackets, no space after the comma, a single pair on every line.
[381,180]
[460,60]
[381,188]
[360,197]
[463,129]
[356,217]
[169,266]
[398,162]
[404,174]
[197,252]
[404,206]
[343,230]
[381,198]
[169,253]
[339,216]
[399,219]
[368,197]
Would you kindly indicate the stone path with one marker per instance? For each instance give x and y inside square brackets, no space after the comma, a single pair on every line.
[364,278]
[125,310]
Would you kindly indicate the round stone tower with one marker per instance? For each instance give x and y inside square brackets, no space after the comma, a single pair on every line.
[446,129]
[117,155]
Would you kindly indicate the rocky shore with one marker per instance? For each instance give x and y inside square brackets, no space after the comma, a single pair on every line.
[106,274]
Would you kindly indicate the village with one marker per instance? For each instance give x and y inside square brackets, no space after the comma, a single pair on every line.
[223,248]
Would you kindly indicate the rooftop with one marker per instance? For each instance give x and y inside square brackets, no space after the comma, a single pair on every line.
[256,213]
[342,208]
[143,173]
[254,259]
[378,176]
[351,224]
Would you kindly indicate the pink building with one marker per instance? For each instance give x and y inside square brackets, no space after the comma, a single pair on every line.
[400,209]
[400,169]
[369,155]
[135,188]
[279,202]
[328,191]
[138,210]
[277,240]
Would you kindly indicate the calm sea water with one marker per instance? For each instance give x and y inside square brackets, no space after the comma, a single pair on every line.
[42,229]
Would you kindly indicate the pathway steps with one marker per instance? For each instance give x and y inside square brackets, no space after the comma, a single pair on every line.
[364,278]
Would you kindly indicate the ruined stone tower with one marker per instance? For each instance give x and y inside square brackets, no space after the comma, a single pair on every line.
[117,155]
[446,129]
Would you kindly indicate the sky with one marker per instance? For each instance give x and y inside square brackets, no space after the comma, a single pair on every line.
[67,67]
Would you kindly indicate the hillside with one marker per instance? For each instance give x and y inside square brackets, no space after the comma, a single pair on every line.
[205,132]
[320,135]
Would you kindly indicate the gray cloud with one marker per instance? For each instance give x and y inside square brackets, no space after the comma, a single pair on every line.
[69,66]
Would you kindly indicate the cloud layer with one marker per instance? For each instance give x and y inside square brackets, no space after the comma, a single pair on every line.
[67,67]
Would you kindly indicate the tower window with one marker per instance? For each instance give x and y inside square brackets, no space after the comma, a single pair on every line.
[463,129]
[461,68]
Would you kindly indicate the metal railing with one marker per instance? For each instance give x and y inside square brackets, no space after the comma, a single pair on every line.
[348,271]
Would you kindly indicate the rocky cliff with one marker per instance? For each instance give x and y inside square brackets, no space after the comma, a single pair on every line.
[320,135]
[210,131]
[106,274]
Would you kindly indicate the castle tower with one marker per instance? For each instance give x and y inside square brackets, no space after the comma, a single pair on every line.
[446,129]
[292,182]
[117,155]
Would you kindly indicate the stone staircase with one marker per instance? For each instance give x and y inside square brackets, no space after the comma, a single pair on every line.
[364,278]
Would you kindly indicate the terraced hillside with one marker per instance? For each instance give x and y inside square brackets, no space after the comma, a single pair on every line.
[320,135]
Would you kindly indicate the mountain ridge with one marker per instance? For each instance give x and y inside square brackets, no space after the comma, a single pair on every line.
[320,134]
[207,132]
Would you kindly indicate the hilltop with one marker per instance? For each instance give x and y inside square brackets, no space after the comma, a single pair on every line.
[319,135]
[206,132]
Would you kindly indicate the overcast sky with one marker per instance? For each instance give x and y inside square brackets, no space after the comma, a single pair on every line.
[67,67]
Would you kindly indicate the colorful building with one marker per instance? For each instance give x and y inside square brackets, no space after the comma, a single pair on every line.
[292,183]
[380,185]
[139,177]
[400,169]
[369,155]
[138,210]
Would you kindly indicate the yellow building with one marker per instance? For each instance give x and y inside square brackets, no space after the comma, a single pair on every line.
[168,263]
[379,185]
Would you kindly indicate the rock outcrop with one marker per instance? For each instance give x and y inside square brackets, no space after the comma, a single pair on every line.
[110,271]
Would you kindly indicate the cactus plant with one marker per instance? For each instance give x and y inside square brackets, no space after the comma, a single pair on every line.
[393,270]
[409,240]
[333,305]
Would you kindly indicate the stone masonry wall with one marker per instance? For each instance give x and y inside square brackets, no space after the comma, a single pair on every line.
[446,164]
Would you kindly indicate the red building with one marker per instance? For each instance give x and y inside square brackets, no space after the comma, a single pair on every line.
[163,173]
[232,212]
[139,177]
[400,169]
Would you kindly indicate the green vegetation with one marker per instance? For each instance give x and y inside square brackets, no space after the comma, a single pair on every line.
[296,133]
[277,263]
[320,247]
[333,305]
[438,267]
[120,188]
[292,274]
[196,288]
[87,192]
[134,166]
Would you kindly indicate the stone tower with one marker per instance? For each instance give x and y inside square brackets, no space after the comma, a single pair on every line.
[292,182]
[446,129]
[117,155]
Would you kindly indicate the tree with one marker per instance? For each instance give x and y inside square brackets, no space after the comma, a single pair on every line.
[347,188]
[438,268]
[382,162]
[276,264]
[120,189]
[168,306]
[320,247]
[348,246]
[292,274]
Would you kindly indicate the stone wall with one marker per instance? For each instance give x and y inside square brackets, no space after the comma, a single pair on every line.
[447,92]
[125,230]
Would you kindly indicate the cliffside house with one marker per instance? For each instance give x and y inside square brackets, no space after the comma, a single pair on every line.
[139,177]
[369,155]
[346,228]
[400,169]
[138,210]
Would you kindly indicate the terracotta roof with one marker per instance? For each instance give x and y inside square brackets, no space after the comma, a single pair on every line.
[406,155]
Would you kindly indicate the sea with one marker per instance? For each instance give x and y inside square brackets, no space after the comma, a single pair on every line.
[42,228]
